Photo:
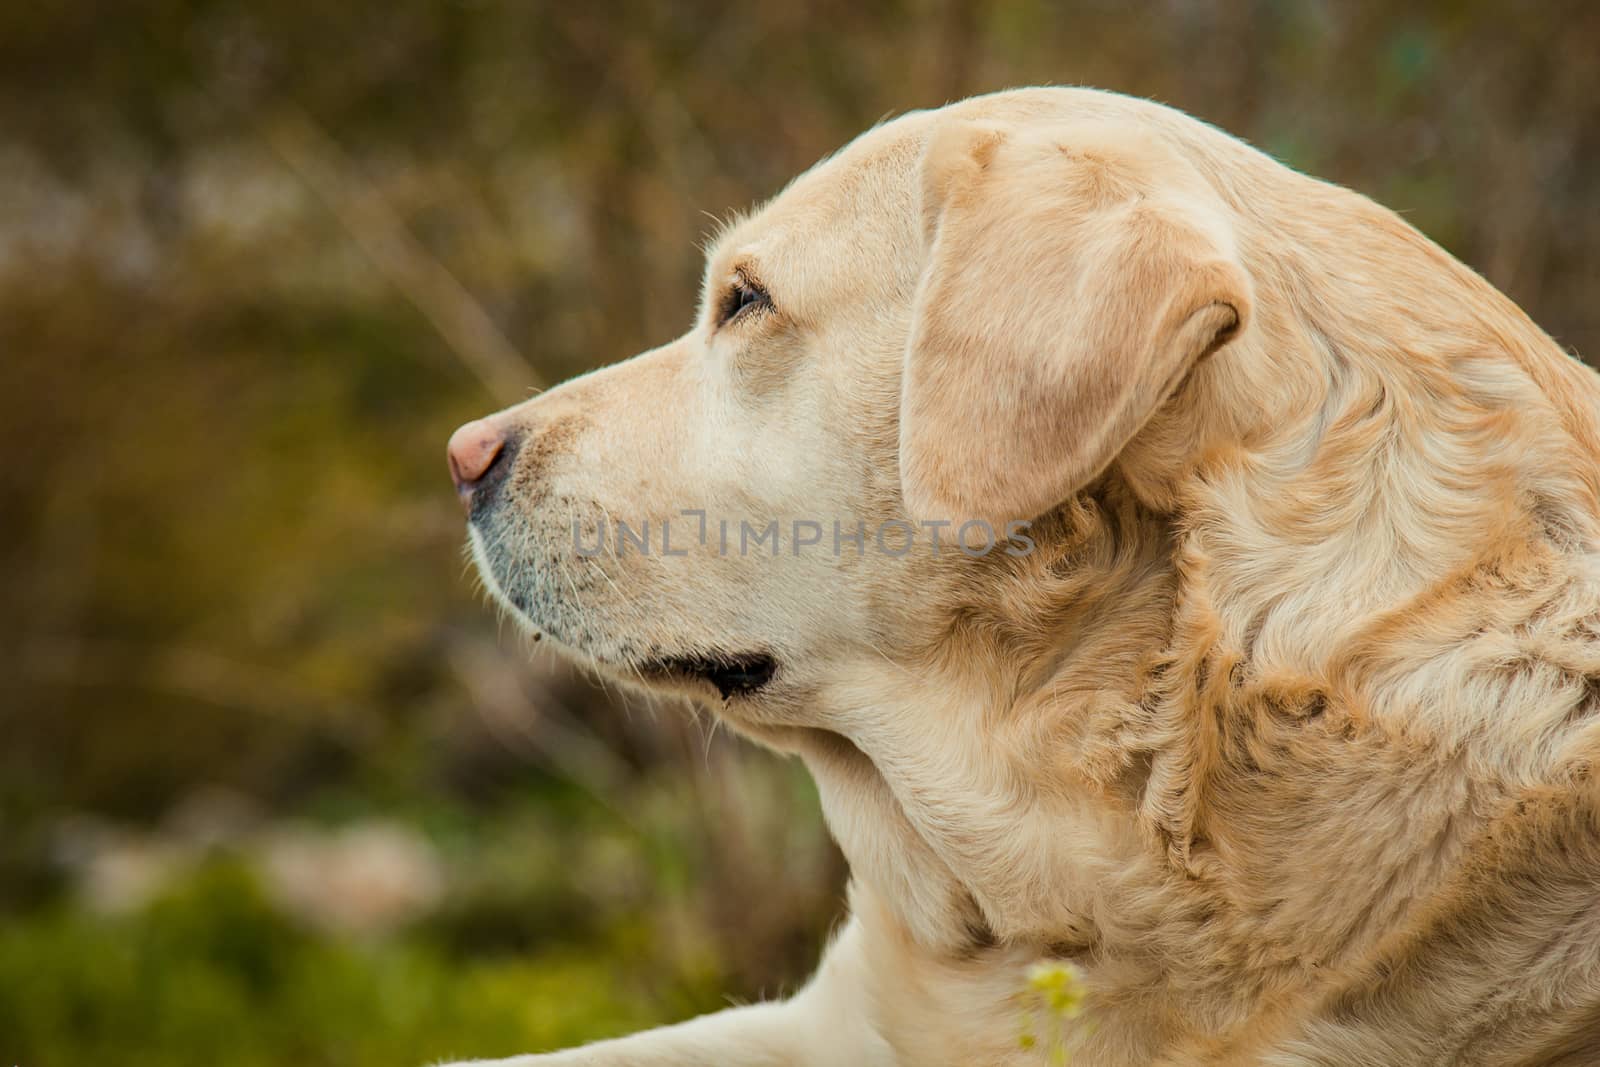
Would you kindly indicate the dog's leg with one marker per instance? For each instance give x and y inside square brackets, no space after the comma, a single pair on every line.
[826,1024]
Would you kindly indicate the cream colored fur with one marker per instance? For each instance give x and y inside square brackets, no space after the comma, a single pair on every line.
[1285,731]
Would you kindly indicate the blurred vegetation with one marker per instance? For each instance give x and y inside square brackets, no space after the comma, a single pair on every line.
[212,974]
[257,261]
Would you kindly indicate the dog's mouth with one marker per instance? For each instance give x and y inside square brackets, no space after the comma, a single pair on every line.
[732,675]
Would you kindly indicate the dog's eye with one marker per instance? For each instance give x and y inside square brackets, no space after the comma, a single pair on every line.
[744,295]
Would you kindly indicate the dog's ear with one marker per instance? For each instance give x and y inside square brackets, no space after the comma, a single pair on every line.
[1070,284]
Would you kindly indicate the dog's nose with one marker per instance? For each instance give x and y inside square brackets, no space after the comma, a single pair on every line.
[473,451]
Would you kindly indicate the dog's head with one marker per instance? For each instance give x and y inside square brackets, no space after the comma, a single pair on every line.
[899,369]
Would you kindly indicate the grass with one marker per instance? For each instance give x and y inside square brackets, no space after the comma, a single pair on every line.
[211,973]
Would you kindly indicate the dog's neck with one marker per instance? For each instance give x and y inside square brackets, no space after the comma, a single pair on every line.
[1384,604]
[978,784]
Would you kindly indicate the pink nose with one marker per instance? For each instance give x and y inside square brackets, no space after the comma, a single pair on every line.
[473,450]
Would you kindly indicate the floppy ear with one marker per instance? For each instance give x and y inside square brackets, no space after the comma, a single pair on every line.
[1071,282]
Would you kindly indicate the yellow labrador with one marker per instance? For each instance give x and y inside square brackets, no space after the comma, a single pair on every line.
[1163,562]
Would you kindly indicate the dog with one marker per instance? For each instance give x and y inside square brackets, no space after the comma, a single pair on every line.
[1166,564]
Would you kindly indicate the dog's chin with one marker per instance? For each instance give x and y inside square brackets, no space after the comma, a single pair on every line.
[728,676]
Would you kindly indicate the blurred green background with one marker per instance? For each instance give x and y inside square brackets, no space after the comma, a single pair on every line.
[275,784]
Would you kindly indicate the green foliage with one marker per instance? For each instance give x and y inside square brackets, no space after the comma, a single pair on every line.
[211,974]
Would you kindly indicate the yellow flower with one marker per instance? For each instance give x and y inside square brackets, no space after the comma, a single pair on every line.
[1058,991]
[1061,986]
